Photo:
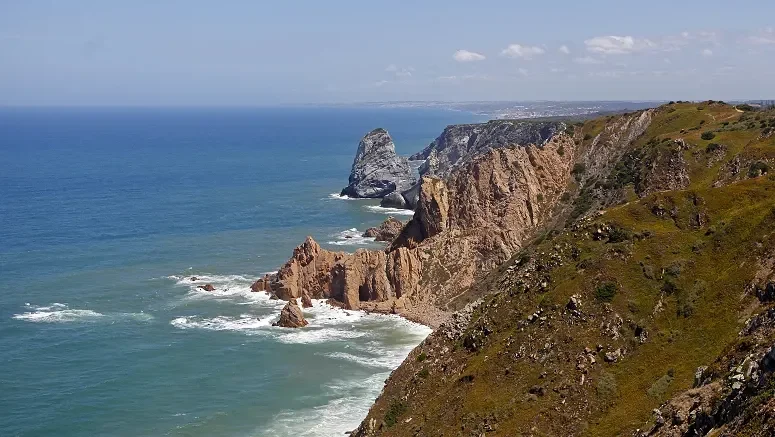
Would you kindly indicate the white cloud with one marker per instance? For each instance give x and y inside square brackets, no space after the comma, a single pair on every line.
[520,51]
[617,45]
[523,71]
[380,83]
[404,72]
[391,68]
[564,50]
[707,52]
[557,70]
[587,60]
[464,77]
[467,56]
[765,37]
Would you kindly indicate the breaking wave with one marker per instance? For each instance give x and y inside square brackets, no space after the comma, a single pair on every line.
[61,313]
[388,211]
[351,237]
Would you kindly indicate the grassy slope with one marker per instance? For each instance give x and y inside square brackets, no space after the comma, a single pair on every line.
[691,253]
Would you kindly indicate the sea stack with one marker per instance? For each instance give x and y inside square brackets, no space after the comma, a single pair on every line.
[291,316]
[377,170]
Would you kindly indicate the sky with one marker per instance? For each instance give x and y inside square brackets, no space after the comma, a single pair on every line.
[256,53]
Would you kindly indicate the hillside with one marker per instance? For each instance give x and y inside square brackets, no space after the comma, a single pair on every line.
[640,305]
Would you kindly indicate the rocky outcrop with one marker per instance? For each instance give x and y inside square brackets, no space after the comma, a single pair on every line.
[463,226]
[387,231]
[393,200]
[206,287]
[667,171]
[291,316]
[459,144]
[377,170]
[308,271]
[261,284]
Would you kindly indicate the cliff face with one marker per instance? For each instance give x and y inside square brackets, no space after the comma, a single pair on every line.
[462,227]
[459,144]
[377,170]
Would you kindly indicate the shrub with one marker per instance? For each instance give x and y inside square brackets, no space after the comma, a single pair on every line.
[607,389]
[587,137]
[757,169]
[423,373]
[669,287]
[579,169]
[660,386]
[422,357]
[707,136]
[605,292]
[561,150]
[617,235]
[396,409]
[712,147]
[746,107]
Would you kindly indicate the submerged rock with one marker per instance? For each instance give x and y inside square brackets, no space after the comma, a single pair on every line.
[207,287]
[377,170]
[291,316]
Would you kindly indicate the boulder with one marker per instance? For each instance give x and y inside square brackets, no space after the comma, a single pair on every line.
[207,287]
[291,316]
[393,200]
[387,231]
[377,170]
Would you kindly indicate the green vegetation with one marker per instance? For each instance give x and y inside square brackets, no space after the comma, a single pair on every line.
[605,292]
[707,136]
[394,412]
[422,357]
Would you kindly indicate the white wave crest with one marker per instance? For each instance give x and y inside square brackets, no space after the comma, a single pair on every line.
[338,196]
[227,287]
[350,403]
[244,322]
[61,313]
[388,211]
[351,237]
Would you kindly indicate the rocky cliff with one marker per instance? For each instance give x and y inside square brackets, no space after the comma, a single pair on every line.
[462,227]
[459,144]
[377,170]
[642,304]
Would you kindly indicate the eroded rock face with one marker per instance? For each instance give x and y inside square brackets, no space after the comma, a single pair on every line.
[291,316]
[377,170]
[459,144]
[387,231]
[463,226]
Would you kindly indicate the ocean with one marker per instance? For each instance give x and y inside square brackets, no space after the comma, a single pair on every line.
[107,214]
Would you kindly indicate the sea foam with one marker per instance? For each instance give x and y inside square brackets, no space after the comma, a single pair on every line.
[388,211]
[61,313]
[351,237]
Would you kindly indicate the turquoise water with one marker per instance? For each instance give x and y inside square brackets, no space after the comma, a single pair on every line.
[105,215]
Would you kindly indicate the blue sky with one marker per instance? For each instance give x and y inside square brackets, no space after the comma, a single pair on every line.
[198,52]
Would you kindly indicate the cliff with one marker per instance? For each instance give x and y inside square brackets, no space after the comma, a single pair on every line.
[640,304]
[462,227]
[459,144]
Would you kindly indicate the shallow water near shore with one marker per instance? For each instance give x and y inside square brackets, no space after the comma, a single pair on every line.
[105,218]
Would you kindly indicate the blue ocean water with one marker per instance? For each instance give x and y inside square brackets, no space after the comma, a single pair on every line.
[107,214]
